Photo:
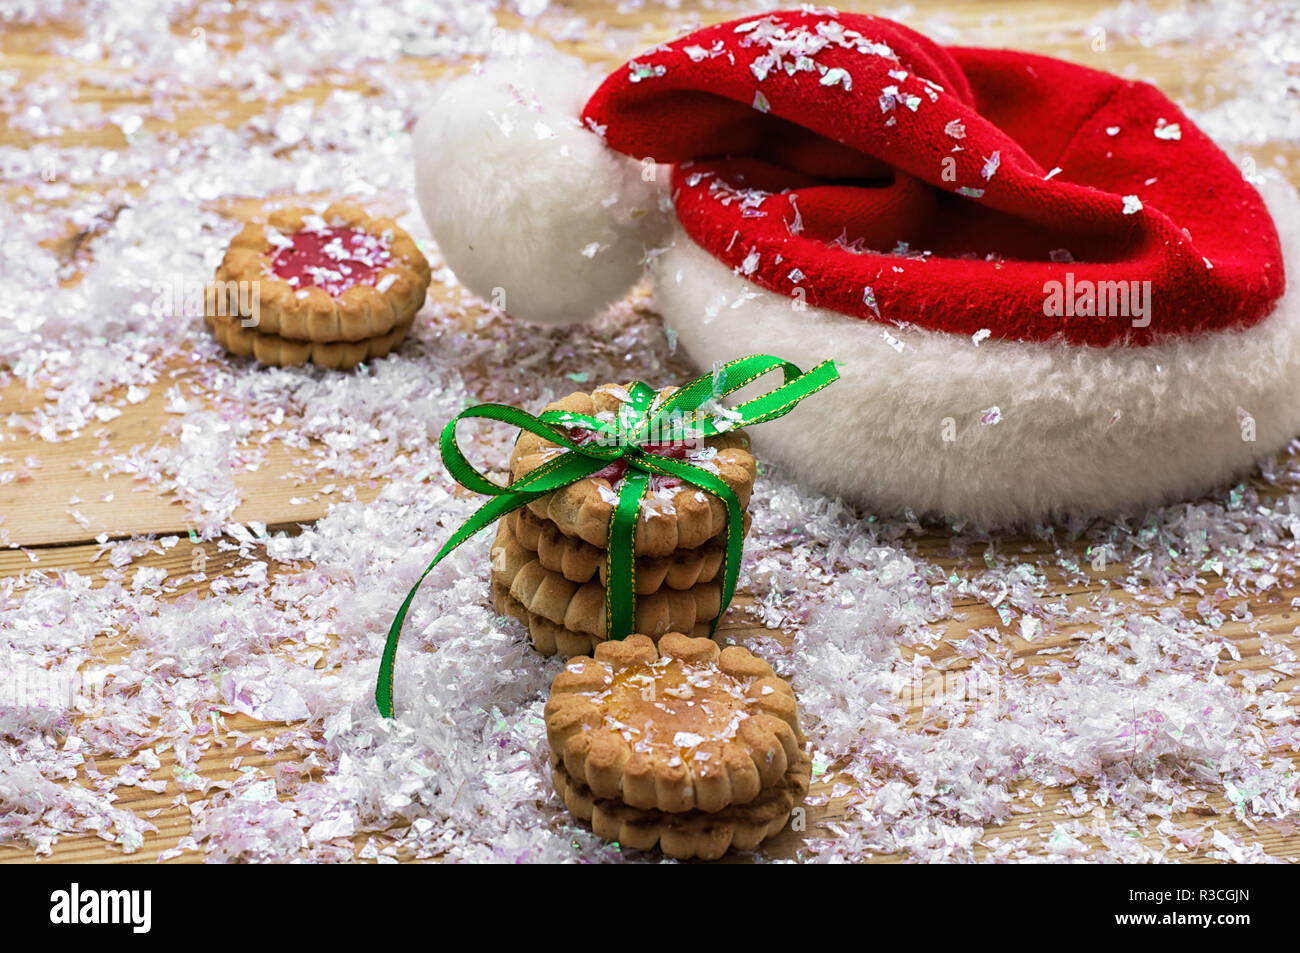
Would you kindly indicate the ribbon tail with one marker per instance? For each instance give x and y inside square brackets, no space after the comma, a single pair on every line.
[463,471]
[685,404]
[484,516]
[731,555]
[550,476]
[781,401]
[726,378]
[620,557]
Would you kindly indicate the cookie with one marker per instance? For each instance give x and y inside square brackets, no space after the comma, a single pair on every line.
[692,835]
[579,561]
[341,276]
[674,515]
[278,351]
[581,608]
[547,637]
[684,726]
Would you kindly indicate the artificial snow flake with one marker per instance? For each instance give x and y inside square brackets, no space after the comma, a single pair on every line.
[869,299]
[891,96]
[837,77]
[637,72]
[991,165]
[1132,205]
[129,123]
[1169,131]
[795,225]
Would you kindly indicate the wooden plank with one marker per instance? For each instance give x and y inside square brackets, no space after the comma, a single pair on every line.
[218,764]
[77,489]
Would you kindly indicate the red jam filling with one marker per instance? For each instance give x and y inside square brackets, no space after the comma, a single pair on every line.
[332,259]
[614,472]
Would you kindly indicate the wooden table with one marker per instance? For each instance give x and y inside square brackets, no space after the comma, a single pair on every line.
[52,535]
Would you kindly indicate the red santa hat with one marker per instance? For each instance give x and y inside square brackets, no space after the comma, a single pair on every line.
[1048,291]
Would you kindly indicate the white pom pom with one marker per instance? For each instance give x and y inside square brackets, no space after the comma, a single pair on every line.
[528,207]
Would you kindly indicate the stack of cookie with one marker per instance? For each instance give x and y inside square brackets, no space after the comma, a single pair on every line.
[682,745]
[335,289]
[548,561]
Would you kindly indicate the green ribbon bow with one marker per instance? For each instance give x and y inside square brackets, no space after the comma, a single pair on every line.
[693,412]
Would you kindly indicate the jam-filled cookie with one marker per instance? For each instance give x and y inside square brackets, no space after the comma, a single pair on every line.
[674,514]
[276,351]
[337,278]
[580,608]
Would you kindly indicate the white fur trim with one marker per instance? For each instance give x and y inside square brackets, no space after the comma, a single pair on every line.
[529,208]
[877,437]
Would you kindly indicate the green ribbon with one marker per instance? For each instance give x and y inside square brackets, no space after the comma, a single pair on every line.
[692,412]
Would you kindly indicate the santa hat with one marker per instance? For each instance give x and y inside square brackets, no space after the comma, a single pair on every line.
[1047,290]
